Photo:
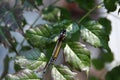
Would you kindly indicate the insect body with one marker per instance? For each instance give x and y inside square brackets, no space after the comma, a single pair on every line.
[56,50]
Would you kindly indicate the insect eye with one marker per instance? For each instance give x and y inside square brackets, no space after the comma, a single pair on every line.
[52,60]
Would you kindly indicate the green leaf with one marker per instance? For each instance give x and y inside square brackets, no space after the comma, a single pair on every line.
[25,48]
[118,11]
[43,36]
[39,36]
[85,4]
[32,3]
[17,67]
[77,56]
[62,25]
[25,74]
[33,53]
[106,24]
[54,14]
[39,2]
[90,37]
[71,27]
[110,5]
[32,60]
[62,73]
[70,1]
[93,78]
[98,63]
[64,13]
[95,34]
[28,3]
[75,36]
[51,13]
[114,74]
[107,56]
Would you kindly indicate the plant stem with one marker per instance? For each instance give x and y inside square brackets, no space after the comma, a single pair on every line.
[9,41]
[88,13]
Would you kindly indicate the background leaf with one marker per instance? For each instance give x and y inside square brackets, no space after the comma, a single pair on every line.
[98,63]
[86,4]
[54,13]
[64,13]
[106,24]
[51,13]
[114,74]
[32,4]
[4,36]
[110,5]
[10,17]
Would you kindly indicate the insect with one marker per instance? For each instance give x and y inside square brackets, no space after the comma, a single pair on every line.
[56,50]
